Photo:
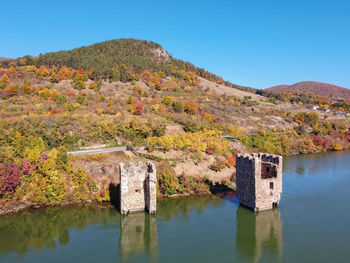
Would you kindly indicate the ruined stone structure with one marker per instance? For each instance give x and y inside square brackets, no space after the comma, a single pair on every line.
[137,187]
[259,180]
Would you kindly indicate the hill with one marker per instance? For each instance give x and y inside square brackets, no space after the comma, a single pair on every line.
[126,58]
[132,92]
[319,88]
[3,59]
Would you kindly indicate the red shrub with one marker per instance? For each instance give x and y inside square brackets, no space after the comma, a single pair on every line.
[318,141]
[209,151]
[44,156]
[54,111]
[219,119]
[347,136]
[26,108]
[9,179]
[326,144]
[27,167]
[139,109]
[71,93]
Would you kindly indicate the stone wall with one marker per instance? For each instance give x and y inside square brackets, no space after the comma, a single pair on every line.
[137,187]
[245,179]
[259,180]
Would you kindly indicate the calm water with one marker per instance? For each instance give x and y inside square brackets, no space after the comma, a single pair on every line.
[311,225]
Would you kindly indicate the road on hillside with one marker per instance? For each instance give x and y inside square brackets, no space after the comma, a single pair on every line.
[123,148]
[105,150]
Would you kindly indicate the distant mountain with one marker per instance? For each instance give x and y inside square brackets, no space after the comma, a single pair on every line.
[3,59]
[319,88]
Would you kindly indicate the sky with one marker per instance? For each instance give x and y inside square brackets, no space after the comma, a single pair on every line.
[256,43]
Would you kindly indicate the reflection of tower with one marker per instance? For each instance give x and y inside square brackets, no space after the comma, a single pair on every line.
[259,231]
[138,235]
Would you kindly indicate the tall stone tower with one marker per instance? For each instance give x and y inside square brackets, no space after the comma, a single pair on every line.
[138,187]
[259,180]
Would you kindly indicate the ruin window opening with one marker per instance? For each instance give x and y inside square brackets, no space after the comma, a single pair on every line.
[271,185]
[268,171]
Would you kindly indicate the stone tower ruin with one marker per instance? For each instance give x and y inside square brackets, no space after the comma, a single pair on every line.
[259,180]
[137,187]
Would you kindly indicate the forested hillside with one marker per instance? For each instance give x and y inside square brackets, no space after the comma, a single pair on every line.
[85,98]
[122,59]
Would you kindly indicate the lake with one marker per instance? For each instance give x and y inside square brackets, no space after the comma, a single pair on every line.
[311,225]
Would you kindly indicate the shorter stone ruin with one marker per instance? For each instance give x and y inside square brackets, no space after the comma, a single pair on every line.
[259,180]
[137,187]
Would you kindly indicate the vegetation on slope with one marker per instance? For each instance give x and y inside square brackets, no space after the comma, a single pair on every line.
[309,99]
[122,59]
[46,108]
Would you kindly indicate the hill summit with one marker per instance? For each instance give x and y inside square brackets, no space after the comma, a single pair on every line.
[319,88]
[127,56]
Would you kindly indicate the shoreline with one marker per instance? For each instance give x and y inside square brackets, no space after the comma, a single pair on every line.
[219,193]
[23,207]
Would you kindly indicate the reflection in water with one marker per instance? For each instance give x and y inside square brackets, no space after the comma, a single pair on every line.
[258,231]
[52,227]
[197,229]
[48,227]
[300,170]
[325,162]
[169,208]
[138,235]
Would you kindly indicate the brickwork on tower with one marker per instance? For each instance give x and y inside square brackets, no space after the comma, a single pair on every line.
[137,187]
[259,180]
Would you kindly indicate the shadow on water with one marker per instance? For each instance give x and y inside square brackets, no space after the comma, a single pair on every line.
[114,195]
[259,232]
[219,188]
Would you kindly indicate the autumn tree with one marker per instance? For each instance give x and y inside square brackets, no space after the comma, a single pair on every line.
[43,72]
[54,78]
[177,106]
[4,80]
[191,107]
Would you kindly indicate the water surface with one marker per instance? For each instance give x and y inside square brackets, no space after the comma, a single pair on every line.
[311,225]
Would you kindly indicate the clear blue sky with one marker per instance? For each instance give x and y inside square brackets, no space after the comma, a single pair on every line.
[258,43]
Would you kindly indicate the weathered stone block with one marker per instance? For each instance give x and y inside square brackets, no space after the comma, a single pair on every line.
[259,180]
[138,187]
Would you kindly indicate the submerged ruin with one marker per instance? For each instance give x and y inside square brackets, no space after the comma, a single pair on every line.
[259,180]
[138,187]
